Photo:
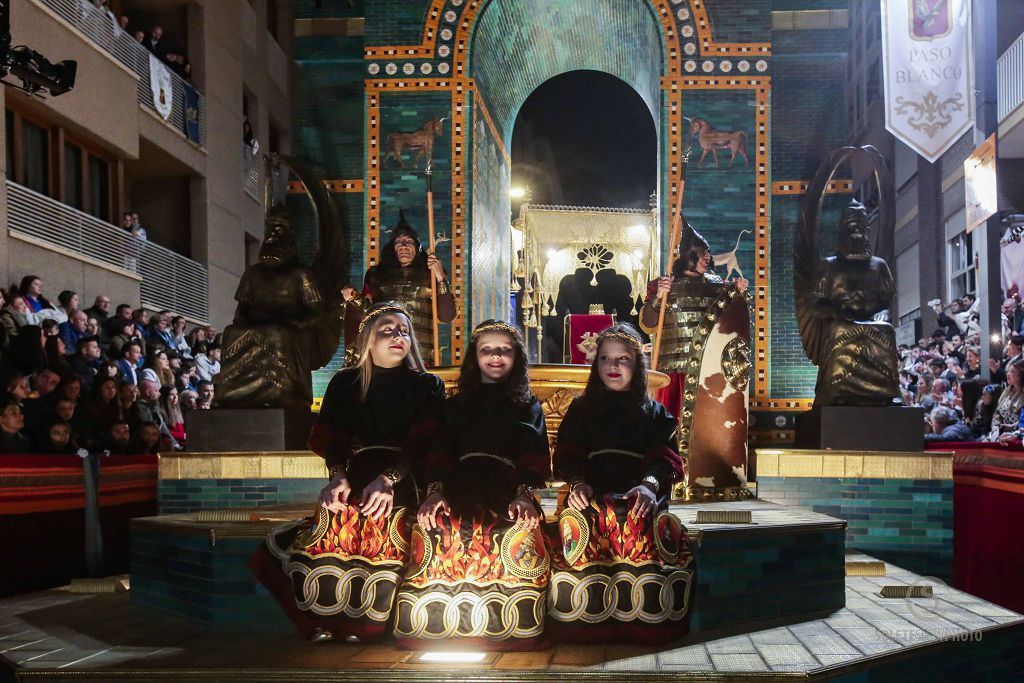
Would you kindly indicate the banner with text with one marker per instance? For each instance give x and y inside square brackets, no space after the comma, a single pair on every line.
[929,72]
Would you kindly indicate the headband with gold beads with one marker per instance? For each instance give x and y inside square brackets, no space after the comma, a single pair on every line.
[497,326]
[378,311]
[628,339]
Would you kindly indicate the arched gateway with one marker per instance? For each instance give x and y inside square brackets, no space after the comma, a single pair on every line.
[755,96]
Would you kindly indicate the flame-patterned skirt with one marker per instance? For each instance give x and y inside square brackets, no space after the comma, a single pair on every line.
[476,578]
[344,569]
[619,578]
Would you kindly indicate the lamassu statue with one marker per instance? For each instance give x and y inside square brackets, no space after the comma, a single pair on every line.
[842,301]
[288,320]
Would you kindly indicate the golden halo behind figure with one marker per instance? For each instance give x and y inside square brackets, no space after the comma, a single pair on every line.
[522,555]
[668,532]
[574,531]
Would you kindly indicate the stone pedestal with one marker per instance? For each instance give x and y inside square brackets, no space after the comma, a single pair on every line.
[861,428]
[248,429]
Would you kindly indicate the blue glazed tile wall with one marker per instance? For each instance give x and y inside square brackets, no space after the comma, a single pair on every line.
[908,522]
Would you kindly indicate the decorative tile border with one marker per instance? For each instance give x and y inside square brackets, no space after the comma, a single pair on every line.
[800,187]
[354,185]
[255,465]
[811,464]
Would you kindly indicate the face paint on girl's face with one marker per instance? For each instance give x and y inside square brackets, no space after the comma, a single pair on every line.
[391,340]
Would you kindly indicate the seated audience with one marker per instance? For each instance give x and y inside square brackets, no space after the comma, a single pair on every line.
[947,426]
[1007,413]
[31,288]
[146,438]
[118,439]
[27,354]
[100,310]
[57,440]
[124,333]
[16,314]
[123,314]
[67,303]
[131,352]
[207,361]
[204,395]
[170,411]
[86,361]
[11,423]
[161,364]
[57,358]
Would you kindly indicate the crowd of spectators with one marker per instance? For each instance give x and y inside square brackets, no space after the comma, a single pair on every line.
[150,36]
[964,401]
[97,380]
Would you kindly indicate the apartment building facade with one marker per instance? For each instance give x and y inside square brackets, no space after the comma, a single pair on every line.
[73,164]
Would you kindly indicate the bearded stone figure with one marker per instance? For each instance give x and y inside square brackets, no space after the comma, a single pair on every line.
[842,301]
[288,320]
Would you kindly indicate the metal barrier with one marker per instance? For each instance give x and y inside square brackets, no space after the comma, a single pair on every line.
[252,173]
[1010,78]
[102,29]
[169,280]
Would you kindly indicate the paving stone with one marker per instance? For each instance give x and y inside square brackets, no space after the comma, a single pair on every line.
[695,655]
[784,655]
[738,662]
[733,645]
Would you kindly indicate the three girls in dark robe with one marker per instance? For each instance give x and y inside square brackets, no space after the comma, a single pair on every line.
[474,562]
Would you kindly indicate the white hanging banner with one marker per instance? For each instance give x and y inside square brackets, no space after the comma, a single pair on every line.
[160,82]
[929,72]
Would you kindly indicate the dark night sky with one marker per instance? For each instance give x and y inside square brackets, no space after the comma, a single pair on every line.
[585,138]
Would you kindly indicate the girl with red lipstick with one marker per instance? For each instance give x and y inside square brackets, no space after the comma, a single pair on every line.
[478,567]
[621,566]
[376,420]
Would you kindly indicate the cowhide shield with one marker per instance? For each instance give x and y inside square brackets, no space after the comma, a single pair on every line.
[718,429]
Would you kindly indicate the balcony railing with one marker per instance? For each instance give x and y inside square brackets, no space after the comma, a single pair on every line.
[102,29]
[169,280]
[1010,78]
[252,173]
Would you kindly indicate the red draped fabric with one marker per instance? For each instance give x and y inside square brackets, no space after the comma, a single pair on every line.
[42,513]
[988,502]
[576,327]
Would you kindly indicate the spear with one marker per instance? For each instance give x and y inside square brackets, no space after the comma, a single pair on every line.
[677,230]
[433,280]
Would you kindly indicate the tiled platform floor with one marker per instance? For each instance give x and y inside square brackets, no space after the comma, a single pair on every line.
[55,634]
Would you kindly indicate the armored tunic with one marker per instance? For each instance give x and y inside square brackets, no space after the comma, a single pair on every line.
[410,287]
[688,302]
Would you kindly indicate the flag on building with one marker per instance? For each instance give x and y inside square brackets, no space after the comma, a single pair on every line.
[929,72]
[160,82]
